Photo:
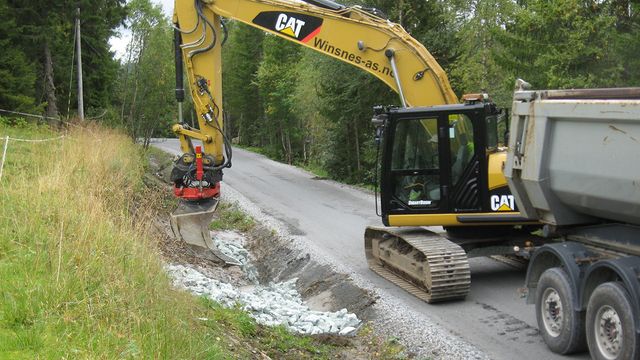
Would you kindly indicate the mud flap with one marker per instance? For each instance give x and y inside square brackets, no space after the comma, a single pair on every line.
[190,223]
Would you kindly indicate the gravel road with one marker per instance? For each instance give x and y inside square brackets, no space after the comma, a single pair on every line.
[493,322]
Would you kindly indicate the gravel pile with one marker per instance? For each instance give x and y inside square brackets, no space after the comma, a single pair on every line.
[230,243]
[270,305]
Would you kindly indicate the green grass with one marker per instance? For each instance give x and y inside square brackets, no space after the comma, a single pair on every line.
[316,170]
[80,272]
[80,277]
[229,217]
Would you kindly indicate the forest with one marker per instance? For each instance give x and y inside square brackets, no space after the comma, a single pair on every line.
[288,102]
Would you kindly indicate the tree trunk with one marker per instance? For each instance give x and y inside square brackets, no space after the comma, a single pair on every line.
[125,91]
[49,86]
[132,109]
[355,130]
[289,153]
[282,141]
[349,161]
[304,149]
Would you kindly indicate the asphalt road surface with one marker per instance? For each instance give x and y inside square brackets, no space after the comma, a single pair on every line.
[493,317]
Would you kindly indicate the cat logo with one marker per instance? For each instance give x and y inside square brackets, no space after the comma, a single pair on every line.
[298,26]
[289,25]
[503,203]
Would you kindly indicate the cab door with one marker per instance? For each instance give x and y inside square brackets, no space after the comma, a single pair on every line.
[466,150]
[413,179]
[432,162]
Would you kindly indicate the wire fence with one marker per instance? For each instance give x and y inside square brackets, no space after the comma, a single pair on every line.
[6,146]
[46,118]
[29,115]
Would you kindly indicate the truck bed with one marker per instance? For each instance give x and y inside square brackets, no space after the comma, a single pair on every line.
[574,155]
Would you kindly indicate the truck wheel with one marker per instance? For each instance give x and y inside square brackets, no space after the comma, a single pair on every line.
[562,327]
[611,332]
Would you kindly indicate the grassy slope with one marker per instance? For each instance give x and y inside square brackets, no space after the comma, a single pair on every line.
[81,278]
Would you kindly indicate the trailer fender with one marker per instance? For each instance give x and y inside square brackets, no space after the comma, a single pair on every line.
[563,255]
[625,270]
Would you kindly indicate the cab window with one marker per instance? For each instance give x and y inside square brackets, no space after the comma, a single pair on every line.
[415,163]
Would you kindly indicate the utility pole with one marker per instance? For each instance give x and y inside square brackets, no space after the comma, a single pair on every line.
[79,48]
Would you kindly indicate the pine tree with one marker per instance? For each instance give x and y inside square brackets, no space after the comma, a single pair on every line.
[243,105]
[17,73]
[276,79]
[46,36]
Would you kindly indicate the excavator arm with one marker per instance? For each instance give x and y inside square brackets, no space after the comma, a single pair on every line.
[358,36]
[350,34]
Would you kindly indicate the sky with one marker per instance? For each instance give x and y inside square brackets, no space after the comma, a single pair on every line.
[119,43]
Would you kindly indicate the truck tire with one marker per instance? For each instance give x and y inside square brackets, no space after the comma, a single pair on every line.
[562,327]
[611,331]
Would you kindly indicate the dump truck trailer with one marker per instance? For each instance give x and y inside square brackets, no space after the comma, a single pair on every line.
[574,164]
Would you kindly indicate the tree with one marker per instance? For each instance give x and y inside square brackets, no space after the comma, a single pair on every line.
[561,44]
[241,58]
[17,73]
[627,44]
[475,68]
[46,36]
[276,80]
[346,99]
[147,75]
[100,70]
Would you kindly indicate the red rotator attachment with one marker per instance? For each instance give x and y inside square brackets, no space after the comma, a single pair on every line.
[190,221]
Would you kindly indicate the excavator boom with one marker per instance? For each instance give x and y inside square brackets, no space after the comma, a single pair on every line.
[354,35]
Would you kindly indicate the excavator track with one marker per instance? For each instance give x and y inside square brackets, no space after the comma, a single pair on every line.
[425,264]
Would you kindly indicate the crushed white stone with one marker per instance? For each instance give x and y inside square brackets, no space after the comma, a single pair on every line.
[271,305]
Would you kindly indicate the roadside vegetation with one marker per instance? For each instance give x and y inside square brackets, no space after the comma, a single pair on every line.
[229,217]
[80,270]
[80,277]
[79,273]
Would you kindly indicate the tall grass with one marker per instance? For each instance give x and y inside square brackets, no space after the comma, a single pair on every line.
[80,276]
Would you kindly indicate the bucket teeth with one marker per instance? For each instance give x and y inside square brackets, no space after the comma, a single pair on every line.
[190,223]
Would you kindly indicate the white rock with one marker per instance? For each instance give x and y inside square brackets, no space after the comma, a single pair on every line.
[347,330]
[270,305]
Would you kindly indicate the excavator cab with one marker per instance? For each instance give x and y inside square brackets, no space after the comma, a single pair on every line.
[436,166]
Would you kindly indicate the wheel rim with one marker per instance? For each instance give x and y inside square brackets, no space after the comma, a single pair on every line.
[608,330]
[551,310]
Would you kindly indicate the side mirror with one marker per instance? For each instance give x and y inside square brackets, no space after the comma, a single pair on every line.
[379,120]
[378,136]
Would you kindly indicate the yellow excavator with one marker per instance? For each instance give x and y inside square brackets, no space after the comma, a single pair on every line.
[441,163]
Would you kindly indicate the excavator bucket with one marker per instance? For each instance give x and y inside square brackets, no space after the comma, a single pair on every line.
[190,223]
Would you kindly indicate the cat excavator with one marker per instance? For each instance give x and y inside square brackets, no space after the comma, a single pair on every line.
[441,159]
